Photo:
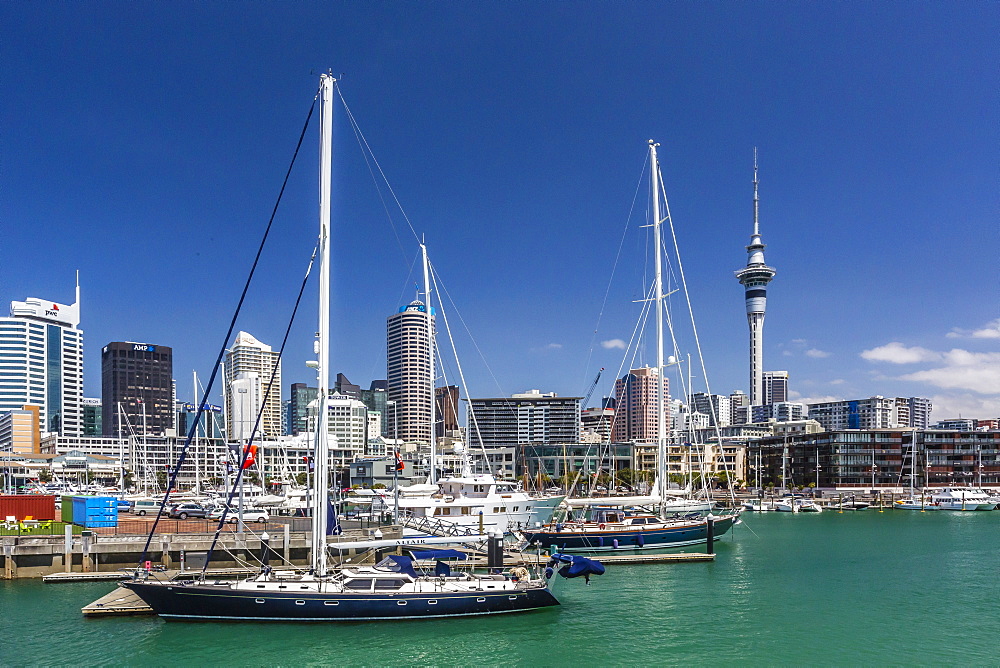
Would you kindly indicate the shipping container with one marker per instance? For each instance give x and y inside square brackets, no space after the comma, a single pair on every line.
[94,509]
[66,510]
[20,506]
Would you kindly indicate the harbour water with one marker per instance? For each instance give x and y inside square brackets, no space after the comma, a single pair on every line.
[897,587]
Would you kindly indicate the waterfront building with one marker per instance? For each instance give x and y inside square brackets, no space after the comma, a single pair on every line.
[872,413]
[409,382]
[636,404]
[754,278]
[775,387]
[530,417]
[558,459]
[446,410]
[347,424]
[919,411]
[259,369]
[300,397]
[860,460]
[41,363]
[137,390]
[93,420]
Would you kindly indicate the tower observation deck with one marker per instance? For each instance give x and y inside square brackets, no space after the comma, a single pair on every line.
[754,279]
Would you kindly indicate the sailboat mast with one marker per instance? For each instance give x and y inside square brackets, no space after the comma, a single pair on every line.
[321,457]
[432,476]
[661,422]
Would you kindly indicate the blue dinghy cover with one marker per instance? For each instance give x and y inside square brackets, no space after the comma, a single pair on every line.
[578,566]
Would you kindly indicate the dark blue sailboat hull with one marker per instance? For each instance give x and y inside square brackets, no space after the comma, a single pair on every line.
[177,600]
[607,540]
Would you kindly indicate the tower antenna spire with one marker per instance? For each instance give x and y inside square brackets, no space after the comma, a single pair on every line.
[756,200]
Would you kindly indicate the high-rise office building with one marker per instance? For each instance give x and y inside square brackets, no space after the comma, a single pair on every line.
[137,390]
[529,417]
[41,363]
[446,410]
[93,421]
[739,405]
[636,405]
[754,279]
[775,387]
[408,366]
[872,413]
[298,408]
[258,369]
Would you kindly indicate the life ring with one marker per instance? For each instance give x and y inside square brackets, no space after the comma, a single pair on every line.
[601,526]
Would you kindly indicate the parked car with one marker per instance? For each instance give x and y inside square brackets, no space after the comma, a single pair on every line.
[182,511]
[145,507]
[233,516]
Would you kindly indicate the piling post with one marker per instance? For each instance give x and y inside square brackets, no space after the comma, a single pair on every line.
[287,545]
[710,534]
[840,503]
[265,548]
[85,539]
[165,549]
[68,549]
[9,567]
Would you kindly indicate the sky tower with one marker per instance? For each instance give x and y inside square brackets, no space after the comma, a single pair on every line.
[754,279]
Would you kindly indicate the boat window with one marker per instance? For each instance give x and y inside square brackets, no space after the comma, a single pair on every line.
[466,510]
[439,511]
[388,584]
[503,509]
[358,584]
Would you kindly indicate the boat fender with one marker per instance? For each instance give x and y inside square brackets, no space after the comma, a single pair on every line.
[615,542]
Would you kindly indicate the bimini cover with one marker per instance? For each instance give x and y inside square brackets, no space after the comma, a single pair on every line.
[578,566]
[399,564]
[438,554]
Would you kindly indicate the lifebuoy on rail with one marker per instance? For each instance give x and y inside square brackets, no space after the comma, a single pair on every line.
[601,526]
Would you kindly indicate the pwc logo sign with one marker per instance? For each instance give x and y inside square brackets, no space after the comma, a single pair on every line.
[54,311]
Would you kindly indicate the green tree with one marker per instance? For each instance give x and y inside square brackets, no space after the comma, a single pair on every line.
[44,475]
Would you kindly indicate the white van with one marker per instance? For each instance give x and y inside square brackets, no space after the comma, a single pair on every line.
[143,507]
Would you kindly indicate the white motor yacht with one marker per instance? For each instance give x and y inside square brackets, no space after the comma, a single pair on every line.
[961,498]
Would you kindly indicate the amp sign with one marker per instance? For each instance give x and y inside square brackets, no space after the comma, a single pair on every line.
[143,347]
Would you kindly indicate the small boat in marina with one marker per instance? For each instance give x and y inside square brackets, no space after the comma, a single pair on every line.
[791,504]
[961,498]
[915,503]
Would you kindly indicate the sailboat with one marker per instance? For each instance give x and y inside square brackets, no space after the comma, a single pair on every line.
[391,589]
[611,526]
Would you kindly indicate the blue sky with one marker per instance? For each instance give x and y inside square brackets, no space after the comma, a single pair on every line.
[144,144]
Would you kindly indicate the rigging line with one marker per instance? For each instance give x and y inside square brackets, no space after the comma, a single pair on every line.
[365,153]
[458,365]
[697,339]
[229,332]
[639,324]
[614,267]
[377,165]
[238,482]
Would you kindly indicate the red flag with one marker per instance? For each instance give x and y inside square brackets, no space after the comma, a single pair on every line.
[399,463]
[251,451]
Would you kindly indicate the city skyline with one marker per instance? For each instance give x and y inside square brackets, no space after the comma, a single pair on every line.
[158,194]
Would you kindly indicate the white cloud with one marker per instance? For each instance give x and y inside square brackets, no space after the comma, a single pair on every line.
[837,381]
[816,352]
[896,353]
[788,353]
[821,399]
[990,331]
[963,370]
[553,346]
[613,343]
[947,406]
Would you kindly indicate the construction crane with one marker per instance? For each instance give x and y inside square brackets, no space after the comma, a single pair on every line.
[586,400]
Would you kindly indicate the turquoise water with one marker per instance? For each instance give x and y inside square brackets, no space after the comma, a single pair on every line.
[899,587]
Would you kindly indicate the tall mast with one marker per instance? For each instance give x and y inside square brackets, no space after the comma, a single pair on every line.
[661,422]
[321,457]
[432,476]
